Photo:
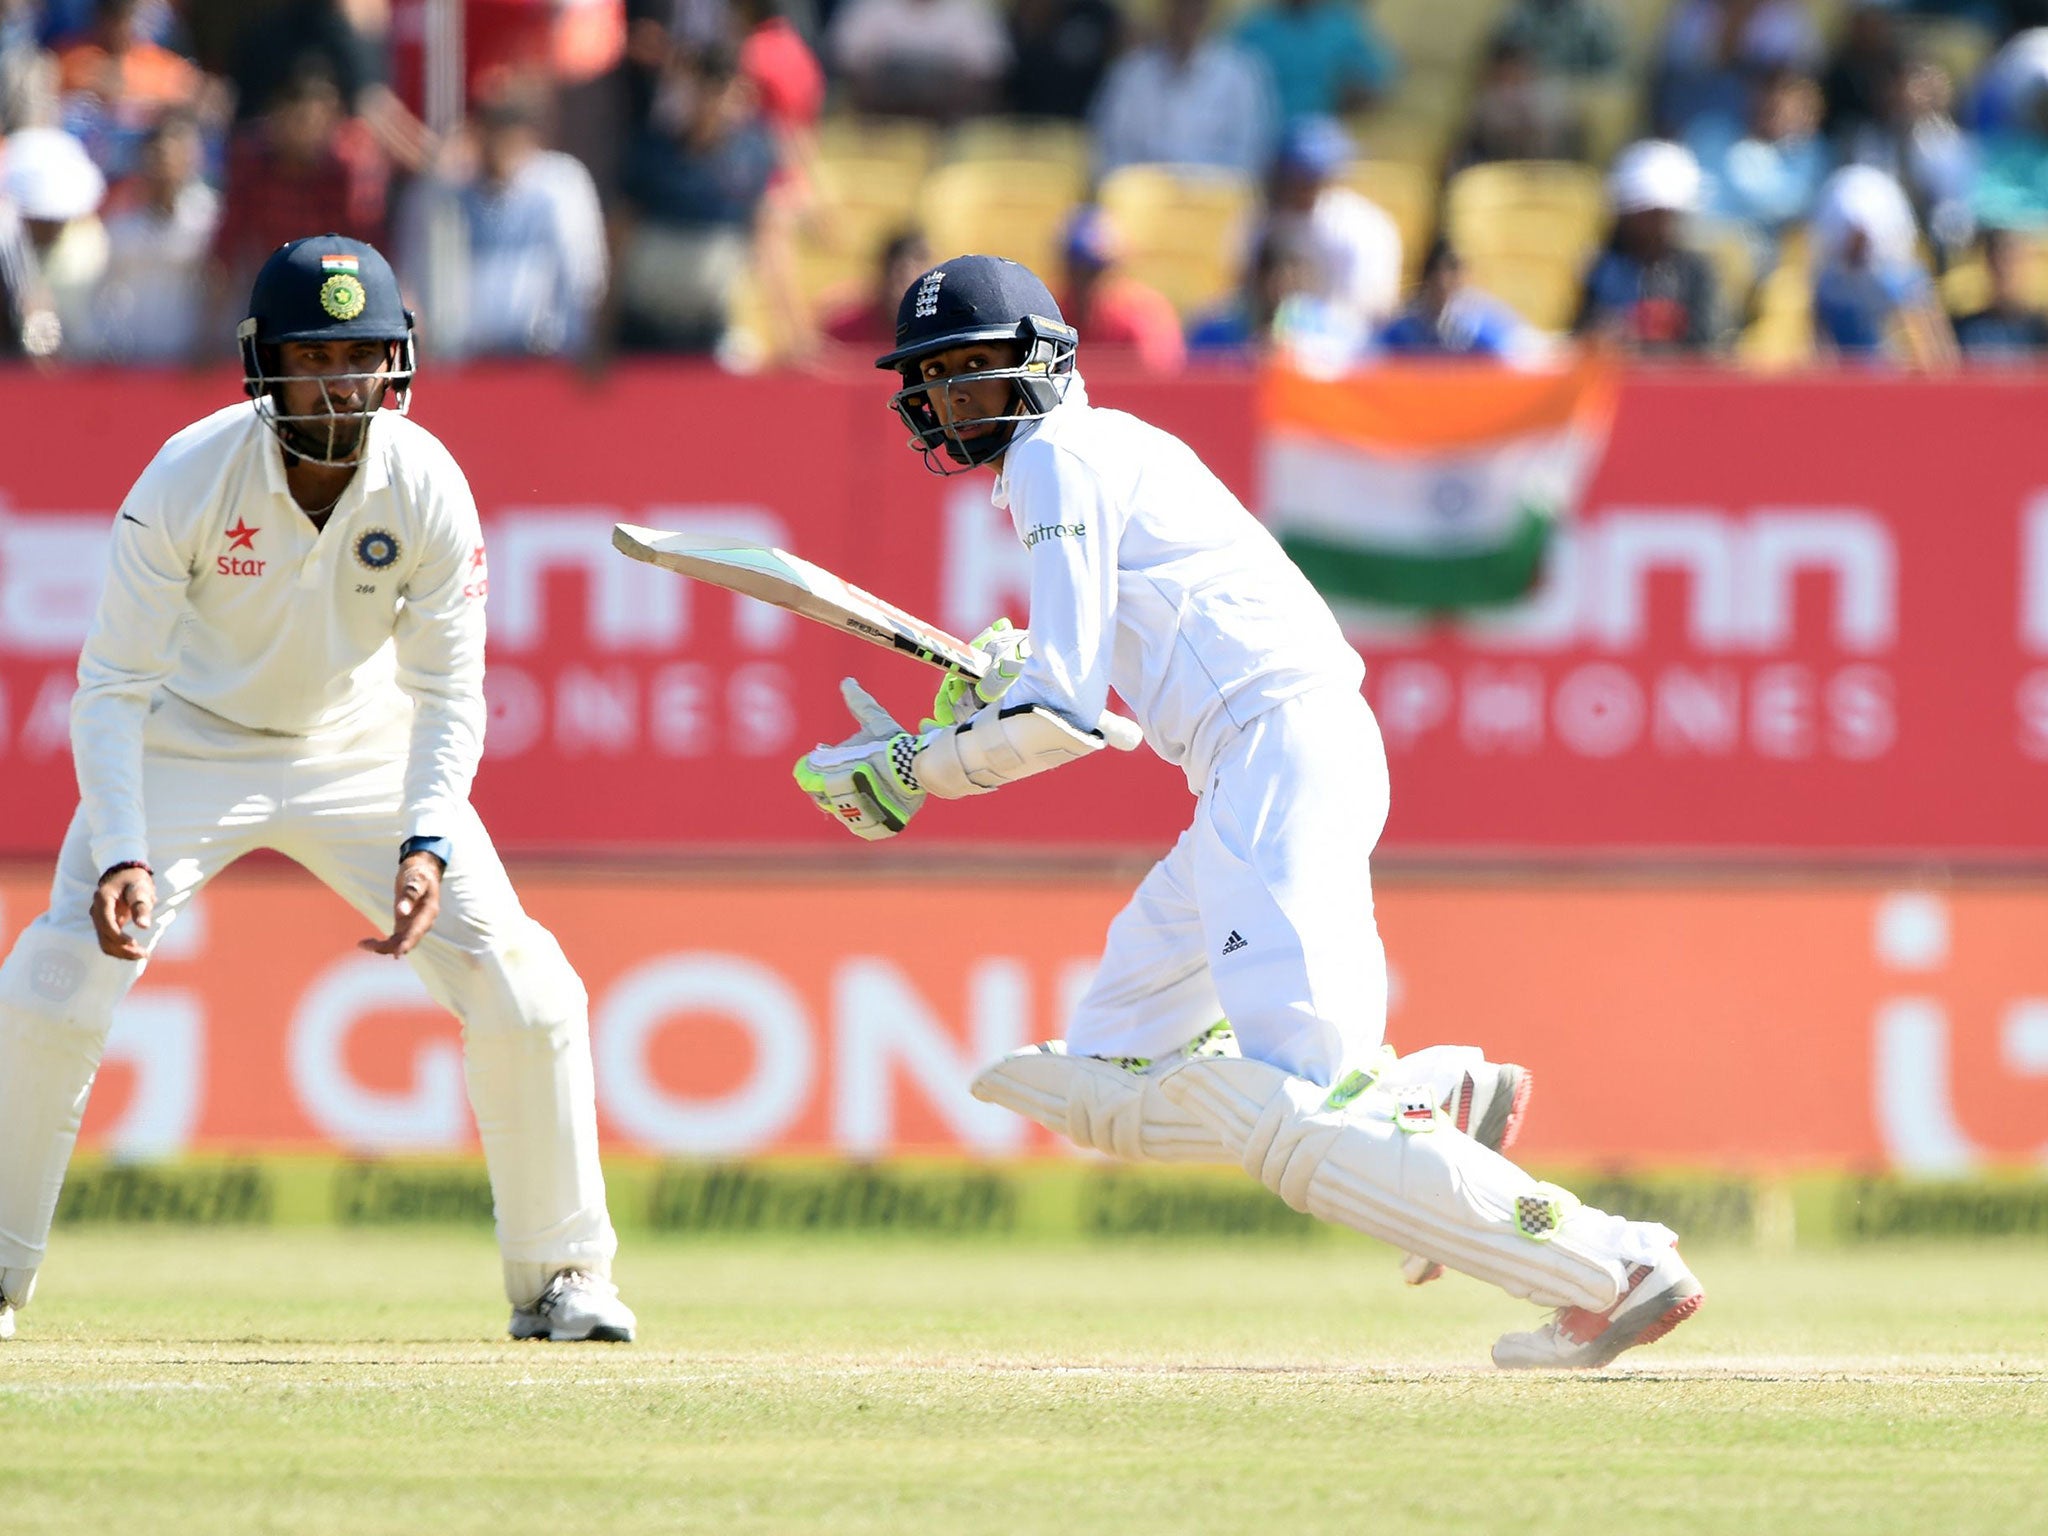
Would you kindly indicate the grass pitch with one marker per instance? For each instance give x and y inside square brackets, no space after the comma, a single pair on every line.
[330,1381]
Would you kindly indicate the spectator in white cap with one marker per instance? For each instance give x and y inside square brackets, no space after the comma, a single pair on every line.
[1647,291]
[53,250]
[1873,298]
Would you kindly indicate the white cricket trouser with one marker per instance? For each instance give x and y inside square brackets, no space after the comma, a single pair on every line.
[212,792]
[1262,912]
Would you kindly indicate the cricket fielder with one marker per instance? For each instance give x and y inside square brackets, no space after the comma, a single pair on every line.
[289,654]
[1149,577]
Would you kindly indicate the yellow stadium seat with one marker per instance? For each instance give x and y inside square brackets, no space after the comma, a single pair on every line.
[1388,133]
[1543,290]
[1550,209]
[1421,119]
[903,140]
[1781,334]
[1407,195]
[1184,232]
[1966,286]
[1613,113]
[1053,140]
[1430,36]
[1734,262]
[860,205]
[1013,208]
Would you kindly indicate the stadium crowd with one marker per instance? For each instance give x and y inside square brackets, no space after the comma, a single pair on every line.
[1773,181]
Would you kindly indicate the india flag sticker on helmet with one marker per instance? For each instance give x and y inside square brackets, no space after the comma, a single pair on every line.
[338,264]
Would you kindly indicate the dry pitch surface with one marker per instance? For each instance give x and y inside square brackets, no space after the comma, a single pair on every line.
[317,1382]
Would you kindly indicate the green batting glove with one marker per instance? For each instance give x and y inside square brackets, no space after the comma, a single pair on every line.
[865,783]
[959,698]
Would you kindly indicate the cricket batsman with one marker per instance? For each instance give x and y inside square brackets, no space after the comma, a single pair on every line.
[1149,577]
[289,654]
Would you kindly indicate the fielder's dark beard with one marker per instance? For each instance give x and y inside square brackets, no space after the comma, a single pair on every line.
[342,440]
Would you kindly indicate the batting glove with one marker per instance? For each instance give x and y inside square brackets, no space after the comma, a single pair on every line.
[865,783]
[959,698]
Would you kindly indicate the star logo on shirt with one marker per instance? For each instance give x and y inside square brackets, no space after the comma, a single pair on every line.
[242,536]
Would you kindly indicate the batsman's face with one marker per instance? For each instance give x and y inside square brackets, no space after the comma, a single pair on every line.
[960,396]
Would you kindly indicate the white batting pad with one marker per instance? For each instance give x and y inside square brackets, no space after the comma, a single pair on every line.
[1098,1104]
[1418,1185]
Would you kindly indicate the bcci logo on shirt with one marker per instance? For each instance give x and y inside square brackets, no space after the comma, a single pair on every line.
[928,294]
[376,549]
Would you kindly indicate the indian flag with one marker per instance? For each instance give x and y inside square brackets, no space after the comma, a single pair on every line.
[1434,489]
[337,264]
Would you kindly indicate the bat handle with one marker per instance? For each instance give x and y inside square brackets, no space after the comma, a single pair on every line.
[1120,731]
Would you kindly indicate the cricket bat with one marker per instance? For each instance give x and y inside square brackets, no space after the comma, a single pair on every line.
[788,581]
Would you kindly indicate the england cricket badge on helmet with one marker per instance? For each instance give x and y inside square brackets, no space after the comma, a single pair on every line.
[957,303]
[376,548]
[329,289]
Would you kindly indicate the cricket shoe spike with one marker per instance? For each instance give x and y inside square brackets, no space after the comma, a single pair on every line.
[1488,1105]
[1659,1297]
[576,1307]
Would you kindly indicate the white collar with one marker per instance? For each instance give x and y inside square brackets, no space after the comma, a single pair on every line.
[1075,398]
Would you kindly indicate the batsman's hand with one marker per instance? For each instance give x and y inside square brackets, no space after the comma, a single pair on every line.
[414,907]
[865,783]
[123,896]
[1007,649]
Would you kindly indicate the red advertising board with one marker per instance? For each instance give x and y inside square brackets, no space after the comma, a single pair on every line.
[1804,617]
[1837,1024]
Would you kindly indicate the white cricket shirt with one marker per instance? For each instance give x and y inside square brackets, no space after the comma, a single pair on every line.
[1148,576]
[220,591]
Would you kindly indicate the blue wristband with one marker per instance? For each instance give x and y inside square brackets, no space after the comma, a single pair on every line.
[440,847]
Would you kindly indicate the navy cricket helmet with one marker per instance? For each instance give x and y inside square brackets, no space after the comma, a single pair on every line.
[959,302]
[326,288]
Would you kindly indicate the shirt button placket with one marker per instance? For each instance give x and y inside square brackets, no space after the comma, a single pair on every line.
[311,563]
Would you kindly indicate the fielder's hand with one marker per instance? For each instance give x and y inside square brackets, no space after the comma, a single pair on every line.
[1007,649]
[413,909]
[125,894]
[865,783]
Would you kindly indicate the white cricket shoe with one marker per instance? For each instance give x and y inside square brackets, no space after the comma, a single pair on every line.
[1488,1107]
[1659,1297]
[576,1306]
[6,1320]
